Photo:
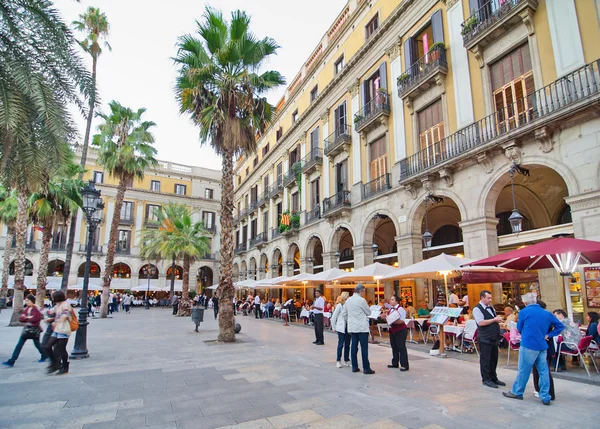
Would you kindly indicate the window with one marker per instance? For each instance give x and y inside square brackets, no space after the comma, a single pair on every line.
[265,221]
[372,26]
[419,46]
[314,142]
[209,220]
[253,229]
[254,194]
[294,156]
[155,186]
[295,202]
[265,150]
[123,240]
[338,65]
[279,212]
[294,116]
[279,173]
[247,171]
[279,132]
[341,176]
[315,193]
[431,131]
[208,193]
[246,201]
[98,177]
[239,208]
[152,212]
[239,180]
[180,189]
[373,87]
[265,183]
[314,93]
[378,157]
[255,161]
[340,119]
[127,211]
[512,84]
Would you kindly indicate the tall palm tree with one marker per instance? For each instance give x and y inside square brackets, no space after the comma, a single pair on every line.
[8,216]
[126,152]
[178,235]
[220,87]
[94,25]
[56,201]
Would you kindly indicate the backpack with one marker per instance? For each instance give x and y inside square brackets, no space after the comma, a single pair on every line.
[73,323]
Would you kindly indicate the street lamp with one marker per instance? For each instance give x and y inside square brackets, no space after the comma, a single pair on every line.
[150,271]
[515,219]
[375,249]
[337,257]
[93,208]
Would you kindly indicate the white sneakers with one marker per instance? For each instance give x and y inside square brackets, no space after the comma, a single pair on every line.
[536,394]
[346,363]
[338,364]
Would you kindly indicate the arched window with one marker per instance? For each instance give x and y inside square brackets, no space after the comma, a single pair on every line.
[447,234]
[28,268]
[94,270]
[565,215]
[504,225]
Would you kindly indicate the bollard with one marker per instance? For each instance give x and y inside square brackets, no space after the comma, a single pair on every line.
[197,316]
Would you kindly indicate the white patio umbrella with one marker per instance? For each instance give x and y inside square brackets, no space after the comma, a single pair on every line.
[271,283]
[91,286]
[144,287]
[369,273]
[213,287]
[303,280]
[248,283]
[328,275]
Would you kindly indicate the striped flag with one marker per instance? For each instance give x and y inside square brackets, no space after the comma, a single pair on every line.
[285,219]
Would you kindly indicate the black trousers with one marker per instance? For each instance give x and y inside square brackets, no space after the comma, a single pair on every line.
[257,313]
[536,374]
[318,321]
[488,361]
[56,350]
[399,352]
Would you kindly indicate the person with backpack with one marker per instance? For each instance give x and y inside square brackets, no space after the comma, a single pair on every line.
[65,322]
[32,317]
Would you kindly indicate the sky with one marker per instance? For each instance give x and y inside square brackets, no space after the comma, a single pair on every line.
[139,72]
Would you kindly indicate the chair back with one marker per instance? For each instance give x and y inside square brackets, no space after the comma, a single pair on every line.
[584,343]
[506,336]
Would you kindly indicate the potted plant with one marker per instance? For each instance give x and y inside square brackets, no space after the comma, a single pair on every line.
[403,79]
[469,25]
[358,118]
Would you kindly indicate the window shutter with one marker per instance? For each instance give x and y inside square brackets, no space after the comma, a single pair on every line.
[336,117]
[473,6]
[383,75]
[364,93]
[408,60]
[437,27]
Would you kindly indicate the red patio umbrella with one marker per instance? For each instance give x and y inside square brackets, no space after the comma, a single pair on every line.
[563,254]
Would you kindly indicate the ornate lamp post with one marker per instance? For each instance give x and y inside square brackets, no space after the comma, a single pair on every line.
[150,271]
[375,249]
[93,207]
[516,218]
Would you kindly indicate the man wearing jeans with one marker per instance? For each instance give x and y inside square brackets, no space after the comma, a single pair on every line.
[356,312]
[534,325]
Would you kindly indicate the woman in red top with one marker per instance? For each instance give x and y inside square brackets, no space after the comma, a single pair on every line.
[31,316]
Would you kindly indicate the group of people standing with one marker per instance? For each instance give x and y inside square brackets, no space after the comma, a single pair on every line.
[59,325]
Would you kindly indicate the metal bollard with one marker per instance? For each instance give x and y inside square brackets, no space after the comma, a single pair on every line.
[197,316]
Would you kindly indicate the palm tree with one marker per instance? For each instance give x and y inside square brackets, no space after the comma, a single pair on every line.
[125,152]
[178,235]
[95,26]
[56,201]
[8,216]
[218,85]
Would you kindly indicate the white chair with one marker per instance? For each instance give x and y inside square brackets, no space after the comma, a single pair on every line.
[434,331]
[381,326]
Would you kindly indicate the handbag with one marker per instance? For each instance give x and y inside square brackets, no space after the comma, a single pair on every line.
[31,331]
[73,323]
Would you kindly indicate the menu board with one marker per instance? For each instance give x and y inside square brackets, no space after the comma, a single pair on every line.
[592,286]
[440,315]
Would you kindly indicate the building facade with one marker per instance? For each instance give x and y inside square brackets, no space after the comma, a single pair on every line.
[407,118]
[198,188]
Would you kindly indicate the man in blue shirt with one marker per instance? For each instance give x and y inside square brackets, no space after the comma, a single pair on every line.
[535,326]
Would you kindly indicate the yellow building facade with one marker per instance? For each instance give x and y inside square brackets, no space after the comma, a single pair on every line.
[407,118]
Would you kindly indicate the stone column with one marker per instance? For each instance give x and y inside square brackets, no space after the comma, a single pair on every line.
[410,249]
[363,255]
[329,261]
[585,211]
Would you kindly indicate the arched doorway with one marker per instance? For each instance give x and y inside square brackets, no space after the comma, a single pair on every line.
[343,243]
[28,268]
[380,233]
[276,265]
[441,219]
[252,271]
[56,268]
[235,272]
[293,260]
[95,270]
[205,277]
[263,268]
[178,272]
[314,254]
[147,271]
[244,271]
[121,271]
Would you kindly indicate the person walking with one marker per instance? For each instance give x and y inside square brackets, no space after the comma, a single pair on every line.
[215,301]
[356,311]
[56,348]
[398,331]
[127,301]
[535,325]
[257,314]
[488,323]
[340,325]
[317,309]
[32,317]
[174,303]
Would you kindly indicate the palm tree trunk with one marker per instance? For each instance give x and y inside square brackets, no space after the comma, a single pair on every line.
[172,290]
[185,305]
[84,150]
[6,263]
[21,233]
[112,244]
[43,267]
[226,291]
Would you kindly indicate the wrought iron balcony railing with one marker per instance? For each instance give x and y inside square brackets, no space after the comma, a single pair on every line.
[253,207]
[289,178]
[376,186]
[275,233]
[334,203]
[378,106]
[241,248]
[521,116]
[122,251]
[259,240]
[264,198]
[339,140]
[126,221]
[276,188]
[95,249]
[421,75]
[313,215]
[312,160]
[209,256]
[58,246]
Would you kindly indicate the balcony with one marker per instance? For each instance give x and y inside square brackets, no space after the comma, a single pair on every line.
[373,113]
[95,249]
[243,214]
[241,248]
[313,215]
[259,241]
[312,161]
[264,199]
[430,69]
[123,251]
[293,229]
[338,141]
[253,207]
[236,220]
[494,19]
[275,233]
[563,97]
[126,221]
[209,257]
[276,189]
[289,178]
[58,246]
[337,204]
[151,223]
[376,186]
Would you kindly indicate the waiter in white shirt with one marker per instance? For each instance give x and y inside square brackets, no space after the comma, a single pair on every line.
[257,314]
[317,309]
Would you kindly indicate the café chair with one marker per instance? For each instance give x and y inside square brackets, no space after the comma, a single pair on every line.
[434,331]
[580,350]
[381,326]
[472,341]
[511,346]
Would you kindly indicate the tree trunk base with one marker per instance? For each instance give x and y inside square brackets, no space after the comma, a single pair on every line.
[185,308]
[226,323]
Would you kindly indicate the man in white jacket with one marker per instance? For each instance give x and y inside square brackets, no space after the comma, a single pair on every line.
[356,312]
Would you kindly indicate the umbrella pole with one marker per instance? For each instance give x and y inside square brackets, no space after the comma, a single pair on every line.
[446,288]
[568,297]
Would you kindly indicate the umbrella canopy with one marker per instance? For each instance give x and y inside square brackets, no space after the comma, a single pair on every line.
[143,287]
[328,276]
[297,280]
[248,283]
[271,283]
[368,273]
[432,268]
[562,254]
[91,286]
[213,287]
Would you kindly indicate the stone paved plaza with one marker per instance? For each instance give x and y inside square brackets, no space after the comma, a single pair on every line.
[149,369]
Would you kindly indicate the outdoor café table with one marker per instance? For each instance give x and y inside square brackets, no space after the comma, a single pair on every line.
[327,315]
[411,325]
[305,313]
[456,331]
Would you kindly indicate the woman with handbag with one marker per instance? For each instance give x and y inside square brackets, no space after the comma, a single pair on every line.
[398,330]
[32,317]
[56,348]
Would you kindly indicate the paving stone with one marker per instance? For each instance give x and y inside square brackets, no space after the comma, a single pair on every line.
[338,422]
[211,422]
[256,413]
[294,419]
[221,407]
[304,404]
[253,424]
[270,399]
[385,424]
